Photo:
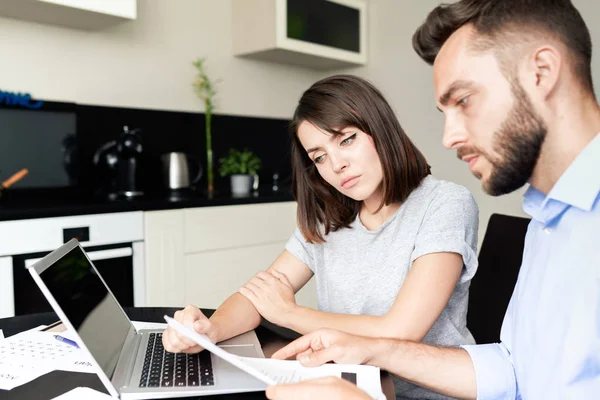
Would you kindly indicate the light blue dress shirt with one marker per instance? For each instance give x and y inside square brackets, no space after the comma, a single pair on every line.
[550,338]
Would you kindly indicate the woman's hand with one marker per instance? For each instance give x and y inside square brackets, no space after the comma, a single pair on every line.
[271,294]
[324,388]
[192,317]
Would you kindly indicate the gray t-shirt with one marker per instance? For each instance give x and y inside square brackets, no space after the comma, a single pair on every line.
[359,271]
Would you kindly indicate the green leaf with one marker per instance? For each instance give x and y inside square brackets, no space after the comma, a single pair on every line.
[239,162]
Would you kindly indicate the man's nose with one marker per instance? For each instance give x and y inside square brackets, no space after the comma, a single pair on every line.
[454,134]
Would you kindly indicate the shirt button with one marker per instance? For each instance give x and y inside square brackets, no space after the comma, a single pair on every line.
[548,231]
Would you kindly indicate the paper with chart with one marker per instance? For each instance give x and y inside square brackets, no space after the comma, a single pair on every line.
[273,372]
[28,355]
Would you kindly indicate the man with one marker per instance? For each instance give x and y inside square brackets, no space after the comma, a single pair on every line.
[513,80]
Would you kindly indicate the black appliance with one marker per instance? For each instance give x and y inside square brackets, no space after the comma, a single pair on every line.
[118,165]
[42,140]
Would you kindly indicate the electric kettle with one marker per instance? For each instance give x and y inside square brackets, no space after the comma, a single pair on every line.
[177,170]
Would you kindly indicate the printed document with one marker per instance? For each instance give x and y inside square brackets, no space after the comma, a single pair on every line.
[31,354]
[273,372]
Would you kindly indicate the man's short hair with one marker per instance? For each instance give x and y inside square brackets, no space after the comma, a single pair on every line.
[500,25]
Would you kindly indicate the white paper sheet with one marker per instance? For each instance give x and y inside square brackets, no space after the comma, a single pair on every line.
[30,354]
[273,371]
[11,377]
[83,393]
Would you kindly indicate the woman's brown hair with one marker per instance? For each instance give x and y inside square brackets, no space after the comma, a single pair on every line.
[333,104]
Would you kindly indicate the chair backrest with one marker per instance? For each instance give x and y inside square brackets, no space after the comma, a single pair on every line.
[492,286]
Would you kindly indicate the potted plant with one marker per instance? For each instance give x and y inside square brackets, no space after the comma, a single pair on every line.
[242,166]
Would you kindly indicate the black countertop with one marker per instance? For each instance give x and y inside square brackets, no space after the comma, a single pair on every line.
[47,205]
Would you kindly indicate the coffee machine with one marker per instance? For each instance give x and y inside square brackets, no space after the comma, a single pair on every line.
[118,165]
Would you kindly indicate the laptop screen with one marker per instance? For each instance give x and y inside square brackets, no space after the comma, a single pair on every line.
[91,309]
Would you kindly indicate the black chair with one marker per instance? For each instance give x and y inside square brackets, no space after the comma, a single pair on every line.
[491,288]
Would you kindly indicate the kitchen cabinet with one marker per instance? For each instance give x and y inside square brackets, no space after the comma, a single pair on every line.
[321,34]
[203,255]
[165,271]
[79,14]
[7,303]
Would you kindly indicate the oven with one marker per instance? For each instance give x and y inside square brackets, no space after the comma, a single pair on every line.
[114,242]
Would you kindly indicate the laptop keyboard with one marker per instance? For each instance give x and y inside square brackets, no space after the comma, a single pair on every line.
[163,369]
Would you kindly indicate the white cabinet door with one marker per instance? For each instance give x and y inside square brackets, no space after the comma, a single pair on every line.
[121,8]
[212,276]
[7,300]
[211,228]
[225,246]
[165,270]
[79,14]
[203,255]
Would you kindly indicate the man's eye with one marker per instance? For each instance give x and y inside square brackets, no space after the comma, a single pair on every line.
[319,159]
[464,101]
[348,140]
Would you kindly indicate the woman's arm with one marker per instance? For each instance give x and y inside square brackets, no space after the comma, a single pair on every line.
[422,297]
[237,314]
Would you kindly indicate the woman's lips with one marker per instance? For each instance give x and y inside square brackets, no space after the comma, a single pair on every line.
[348,183]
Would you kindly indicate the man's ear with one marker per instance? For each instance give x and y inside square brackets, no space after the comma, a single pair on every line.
[545,68]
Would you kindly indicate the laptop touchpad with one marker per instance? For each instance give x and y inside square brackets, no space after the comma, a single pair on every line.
[242,350]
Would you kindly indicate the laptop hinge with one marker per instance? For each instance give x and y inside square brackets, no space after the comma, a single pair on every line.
[124,368]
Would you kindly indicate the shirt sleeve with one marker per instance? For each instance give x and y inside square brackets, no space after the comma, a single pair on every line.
[494,371]
[301,249]
[450,226]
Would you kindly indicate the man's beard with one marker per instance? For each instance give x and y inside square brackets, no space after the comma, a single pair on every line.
[517,145]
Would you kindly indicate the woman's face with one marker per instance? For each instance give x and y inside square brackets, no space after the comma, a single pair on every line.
[349,162]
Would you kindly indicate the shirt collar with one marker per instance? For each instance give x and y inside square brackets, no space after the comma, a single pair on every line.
[578,186]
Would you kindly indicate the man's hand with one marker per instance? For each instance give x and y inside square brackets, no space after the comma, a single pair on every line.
[272,295]
[324,345]
[324,388]
[192,317]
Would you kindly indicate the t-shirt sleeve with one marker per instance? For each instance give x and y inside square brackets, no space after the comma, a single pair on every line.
[301,249]
[450,226]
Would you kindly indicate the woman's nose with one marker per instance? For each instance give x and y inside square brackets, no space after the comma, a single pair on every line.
[339,163]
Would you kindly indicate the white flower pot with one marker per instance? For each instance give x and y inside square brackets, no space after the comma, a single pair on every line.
[241,184]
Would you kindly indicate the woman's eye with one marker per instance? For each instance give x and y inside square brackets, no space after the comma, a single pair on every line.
[319,159]
[348,140]
[464,101]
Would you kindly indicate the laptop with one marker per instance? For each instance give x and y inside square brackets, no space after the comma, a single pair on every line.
[132,364]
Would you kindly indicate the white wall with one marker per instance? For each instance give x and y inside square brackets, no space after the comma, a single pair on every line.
[147,64]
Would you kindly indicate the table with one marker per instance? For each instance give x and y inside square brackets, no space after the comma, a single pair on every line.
[45,387]
[271,337]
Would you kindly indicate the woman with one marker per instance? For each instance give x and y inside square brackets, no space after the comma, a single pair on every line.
[391,247]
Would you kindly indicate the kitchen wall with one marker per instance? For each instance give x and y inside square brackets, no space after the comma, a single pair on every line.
[147,64]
